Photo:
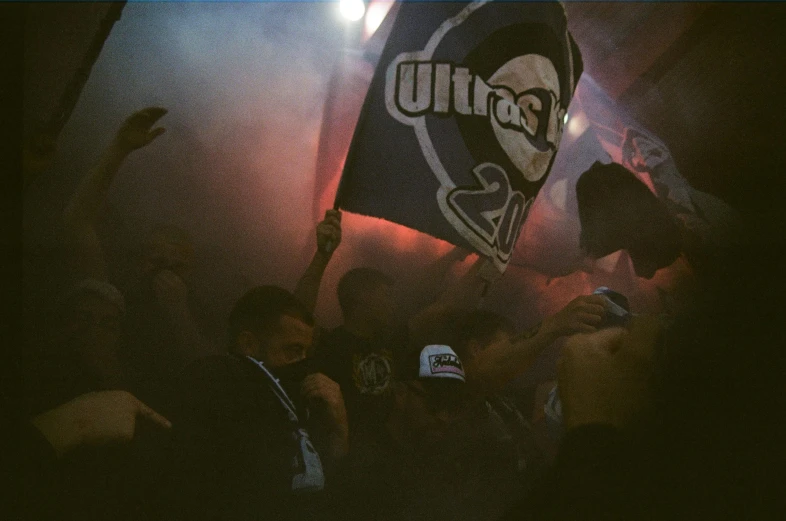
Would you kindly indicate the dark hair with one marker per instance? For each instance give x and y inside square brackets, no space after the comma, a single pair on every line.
[260,309]
[356,281]
[617,211]
[455,328]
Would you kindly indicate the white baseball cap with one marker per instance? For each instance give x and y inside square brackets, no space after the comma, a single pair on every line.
[440,361]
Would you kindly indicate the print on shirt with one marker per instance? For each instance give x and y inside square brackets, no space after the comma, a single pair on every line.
[372,372]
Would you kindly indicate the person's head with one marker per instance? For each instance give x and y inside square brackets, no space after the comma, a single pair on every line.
[91,315]
[475,335]
[271,325]
[168,247]
[366,299]
[432,400]
[619,212]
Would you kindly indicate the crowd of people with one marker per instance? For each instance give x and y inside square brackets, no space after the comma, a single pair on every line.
[131,412]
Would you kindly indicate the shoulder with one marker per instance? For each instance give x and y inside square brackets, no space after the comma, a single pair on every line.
[220,384]
[213,367]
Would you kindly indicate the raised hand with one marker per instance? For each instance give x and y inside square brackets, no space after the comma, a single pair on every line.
[328,239]
[329,232]
[604,377]
[583,314]
[320,390]
[137,132]
[327,403]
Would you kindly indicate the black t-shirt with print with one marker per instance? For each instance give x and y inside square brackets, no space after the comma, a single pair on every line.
[363,368]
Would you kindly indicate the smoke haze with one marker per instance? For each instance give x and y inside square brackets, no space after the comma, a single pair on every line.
[244,84]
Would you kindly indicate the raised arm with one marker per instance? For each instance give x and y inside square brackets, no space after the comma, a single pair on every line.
[470,288]
[582,315]
[328,239]
[605,386]
[465,293]
[432,277]
[81,214]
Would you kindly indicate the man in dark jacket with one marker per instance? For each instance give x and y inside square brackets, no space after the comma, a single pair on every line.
[244,421]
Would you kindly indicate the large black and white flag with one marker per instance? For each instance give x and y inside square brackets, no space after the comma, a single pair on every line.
[462,120]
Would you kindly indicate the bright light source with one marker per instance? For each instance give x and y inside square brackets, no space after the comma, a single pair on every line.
[352,10]
[375,14]
[565,119]
[578,124]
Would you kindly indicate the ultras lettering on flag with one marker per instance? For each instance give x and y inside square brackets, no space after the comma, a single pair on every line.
[463,120]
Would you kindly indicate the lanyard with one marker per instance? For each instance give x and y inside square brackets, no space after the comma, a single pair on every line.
[279,391]
[308,474]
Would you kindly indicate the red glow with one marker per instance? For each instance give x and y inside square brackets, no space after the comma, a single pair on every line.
[644,177]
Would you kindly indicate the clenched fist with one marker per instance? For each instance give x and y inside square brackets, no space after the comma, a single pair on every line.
[322,392]
[327,403]
[329,232]
[318,387]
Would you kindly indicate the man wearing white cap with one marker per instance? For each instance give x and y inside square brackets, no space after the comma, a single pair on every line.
[427,408]
[437,456]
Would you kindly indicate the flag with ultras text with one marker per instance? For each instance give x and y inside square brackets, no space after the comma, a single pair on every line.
[462,120]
